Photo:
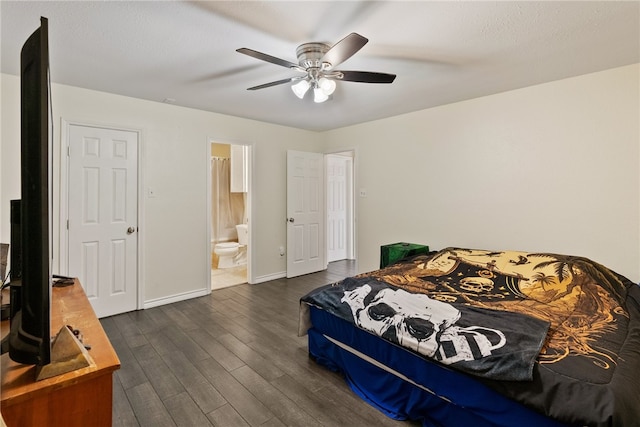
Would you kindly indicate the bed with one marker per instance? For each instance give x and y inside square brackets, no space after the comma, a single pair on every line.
[474,337]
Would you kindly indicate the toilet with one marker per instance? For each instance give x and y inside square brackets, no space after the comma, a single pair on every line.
[243,234]
[232,254]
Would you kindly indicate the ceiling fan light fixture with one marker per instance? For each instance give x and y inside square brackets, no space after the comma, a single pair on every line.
[318,61]
[300,88]
[319,95]
[327,86]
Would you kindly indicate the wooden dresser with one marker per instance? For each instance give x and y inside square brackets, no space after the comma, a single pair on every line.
[79,398]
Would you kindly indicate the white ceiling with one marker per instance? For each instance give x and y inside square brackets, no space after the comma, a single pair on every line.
[441,51]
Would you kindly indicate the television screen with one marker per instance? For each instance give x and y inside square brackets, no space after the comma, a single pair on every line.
[29,337]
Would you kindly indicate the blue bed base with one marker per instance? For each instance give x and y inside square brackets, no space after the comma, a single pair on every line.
[411,387]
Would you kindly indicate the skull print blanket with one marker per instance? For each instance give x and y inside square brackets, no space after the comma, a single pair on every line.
[545,322]
[472,339]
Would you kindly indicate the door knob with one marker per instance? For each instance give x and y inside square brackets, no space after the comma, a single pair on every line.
[131,230]
[291,220]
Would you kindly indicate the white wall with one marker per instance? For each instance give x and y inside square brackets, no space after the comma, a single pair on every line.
[175,163]
[553,167]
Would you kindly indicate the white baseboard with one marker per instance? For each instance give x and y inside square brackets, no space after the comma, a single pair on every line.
[175,298]
[202,292]
[268,277]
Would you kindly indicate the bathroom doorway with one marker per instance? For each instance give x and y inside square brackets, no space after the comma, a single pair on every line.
[229,208]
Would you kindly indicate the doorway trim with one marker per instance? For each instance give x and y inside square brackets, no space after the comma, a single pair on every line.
[63,198]
[250,213]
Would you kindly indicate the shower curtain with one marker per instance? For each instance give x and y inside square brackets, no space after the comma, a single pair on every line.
[227,208]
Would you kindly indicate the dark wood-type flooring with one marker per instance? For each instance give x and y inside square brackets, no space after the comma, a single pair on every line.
[232,358]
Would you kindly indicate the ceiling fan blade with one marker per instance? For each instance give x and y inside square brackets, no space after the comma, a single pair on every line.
[344,49]
[367,77]
[268,58]
[278,82]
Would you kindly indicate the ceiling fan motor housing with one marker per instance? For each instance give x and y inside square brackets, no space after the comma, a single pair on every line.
[310,54]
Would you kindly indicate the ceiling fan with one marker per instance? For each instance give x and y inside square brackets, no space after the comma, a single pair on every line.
[318,61]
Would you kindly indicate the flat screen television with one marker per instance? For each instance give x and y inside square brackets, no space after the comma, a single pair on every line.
[29,339]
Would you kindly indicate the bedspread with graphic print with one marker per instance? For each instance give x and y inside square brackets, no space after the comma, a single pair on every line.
[482,342]
[558,333]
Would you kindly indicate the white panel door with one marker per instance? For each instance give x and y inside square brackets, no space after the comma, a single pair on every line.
[305,213]
[103,212]
[336,207]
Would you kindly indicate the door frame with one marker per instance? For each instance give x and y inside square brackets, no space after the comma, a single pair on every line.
[63,232]
[351,214]
[250,214]
[352,252]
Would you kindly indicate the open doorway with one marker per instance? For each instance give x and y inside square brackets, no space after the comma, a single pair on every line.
[340,206]
[229,214]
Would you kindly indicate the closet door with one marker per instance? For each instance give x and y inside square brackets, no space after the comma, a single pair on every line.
[103,216]
[306,250]
[337,207]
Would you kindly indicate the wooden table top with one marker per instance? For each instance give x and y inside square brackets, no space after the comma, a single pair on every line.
[69,306]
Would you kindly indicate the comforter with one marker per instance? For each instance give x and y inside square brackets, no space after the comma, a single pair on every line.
[558,333]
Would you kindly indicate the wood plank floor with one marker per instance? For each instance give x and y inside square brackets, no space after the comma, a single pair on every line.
[231,359]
